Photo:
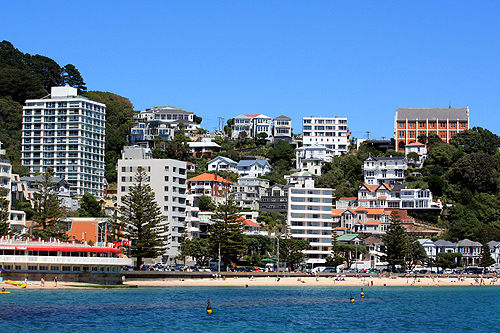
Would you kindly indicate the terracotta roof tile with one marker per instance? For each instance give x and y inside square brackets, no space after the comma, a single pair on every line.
[209,177]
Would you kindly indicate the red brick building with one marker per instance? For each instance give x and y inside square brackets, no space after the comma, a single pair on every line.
[445,122]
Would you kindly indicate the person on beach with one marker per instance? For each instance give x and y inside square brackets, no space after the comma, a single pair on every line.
[55,281]
[42,282]
[3,289]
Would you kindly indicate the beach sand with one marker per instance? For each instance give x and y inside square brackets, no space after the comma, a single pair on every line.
[271,281]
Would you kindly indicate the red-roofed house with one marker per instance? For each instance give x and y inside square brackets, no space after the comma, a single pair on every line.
[209,185]
[250,227]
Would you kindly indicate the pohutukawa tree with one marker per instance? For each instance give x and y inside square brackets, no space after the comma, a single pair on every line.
[141,220]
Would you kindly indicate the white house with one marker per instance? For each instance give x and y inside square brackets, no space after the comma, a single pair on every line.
[429,247]
[378,170]
[254,168]
[495,251]
[331,132]
[316,152]
[282,128]
[221,163]
[420,149]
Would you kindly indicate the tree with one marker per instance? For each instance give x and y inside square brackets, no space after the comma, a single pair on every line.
[468,175]
[197,119]
[413,157]
[292,251]
[258,247]
[477,140]
[141,220]
[185,246]
[226,232]
[72,77]
[205,203]
[349,252]
[4,214]
[416,253]
[486,258]
[90,207]
[336,258]
[47,209]
[200,250]
[282,150]
[396,242]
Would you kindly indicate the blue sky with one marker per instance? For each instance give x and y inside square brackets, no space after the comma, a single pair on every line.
[354,59]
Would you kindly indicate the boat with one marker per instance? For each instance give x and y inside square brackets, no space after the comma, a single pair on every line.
[4,292]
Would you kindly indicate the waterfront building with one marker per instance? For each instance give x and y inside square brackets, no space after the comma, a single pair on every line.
[70,261]
[66,132]
[310,215]
[331,132]
[409,123]
[167,179]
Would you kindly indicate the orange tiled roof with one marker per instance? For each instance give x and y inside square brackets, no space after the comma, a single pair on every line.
[252,115]
[371,188]
[249,223]
[337,212]
[375,211]
[209,177]
[349,198]
[414,144]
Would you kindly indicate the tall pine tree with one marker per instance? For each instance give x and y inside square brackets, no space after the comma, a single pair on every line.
[141,220]
[227,231]
[486,258]
[396,242]
[47,209]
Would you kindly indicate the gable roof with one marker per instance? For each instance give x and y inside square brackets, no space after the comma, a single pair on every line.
[283,117]
[347,237]
[244,163]
[247,222]
[415,144]
[209,177]
[226,159]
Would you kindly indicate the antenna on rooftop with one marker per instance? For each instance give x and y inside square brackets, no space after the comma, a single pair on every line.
[367,135]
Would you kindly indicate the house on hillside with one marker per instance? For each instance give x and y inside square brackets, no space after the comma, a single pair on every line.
[221,163]
[254,168]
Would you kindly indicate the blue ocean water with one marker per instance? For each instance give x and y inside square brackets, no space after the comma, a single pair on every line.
[254,309]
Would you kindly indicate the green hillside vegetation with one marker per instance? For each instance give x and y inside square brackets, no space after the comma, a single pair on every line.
[24,76]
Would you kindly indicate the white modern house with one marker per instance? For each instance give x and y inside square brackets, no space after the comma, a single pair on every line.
[221,163]
[167,179]
[310,215]
[378,170]
[254,168]
[66,132]
[429,247]
[331,132]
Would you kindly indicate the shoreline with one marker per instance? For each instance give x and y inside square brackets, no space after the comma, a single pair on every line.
[272,281]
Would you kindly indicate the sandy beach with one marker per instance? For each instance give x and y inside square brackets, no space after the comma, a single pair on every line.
[272,281]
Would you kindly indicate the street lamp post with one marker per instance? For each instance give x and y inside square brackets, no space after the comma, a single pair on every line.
[278,262]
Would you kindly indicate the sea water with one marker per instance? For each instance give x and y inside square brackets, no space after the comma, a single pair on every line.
[253,309]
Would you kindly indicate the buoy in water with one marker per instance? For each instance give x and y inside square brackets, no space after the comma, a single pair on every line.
[209,308]
[352,299]
[362,293]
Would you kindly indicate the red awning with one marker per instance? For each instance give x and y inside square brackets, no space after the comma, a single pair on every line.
[61,248]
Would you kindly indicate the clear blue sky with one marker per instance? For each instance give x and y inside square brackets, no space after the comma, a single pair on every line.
[354,59]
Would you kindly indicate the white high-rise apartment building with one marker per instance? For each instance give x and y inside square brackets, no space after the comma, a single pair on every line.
[167,179]
[66,132]
[331,132]
[310,215]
